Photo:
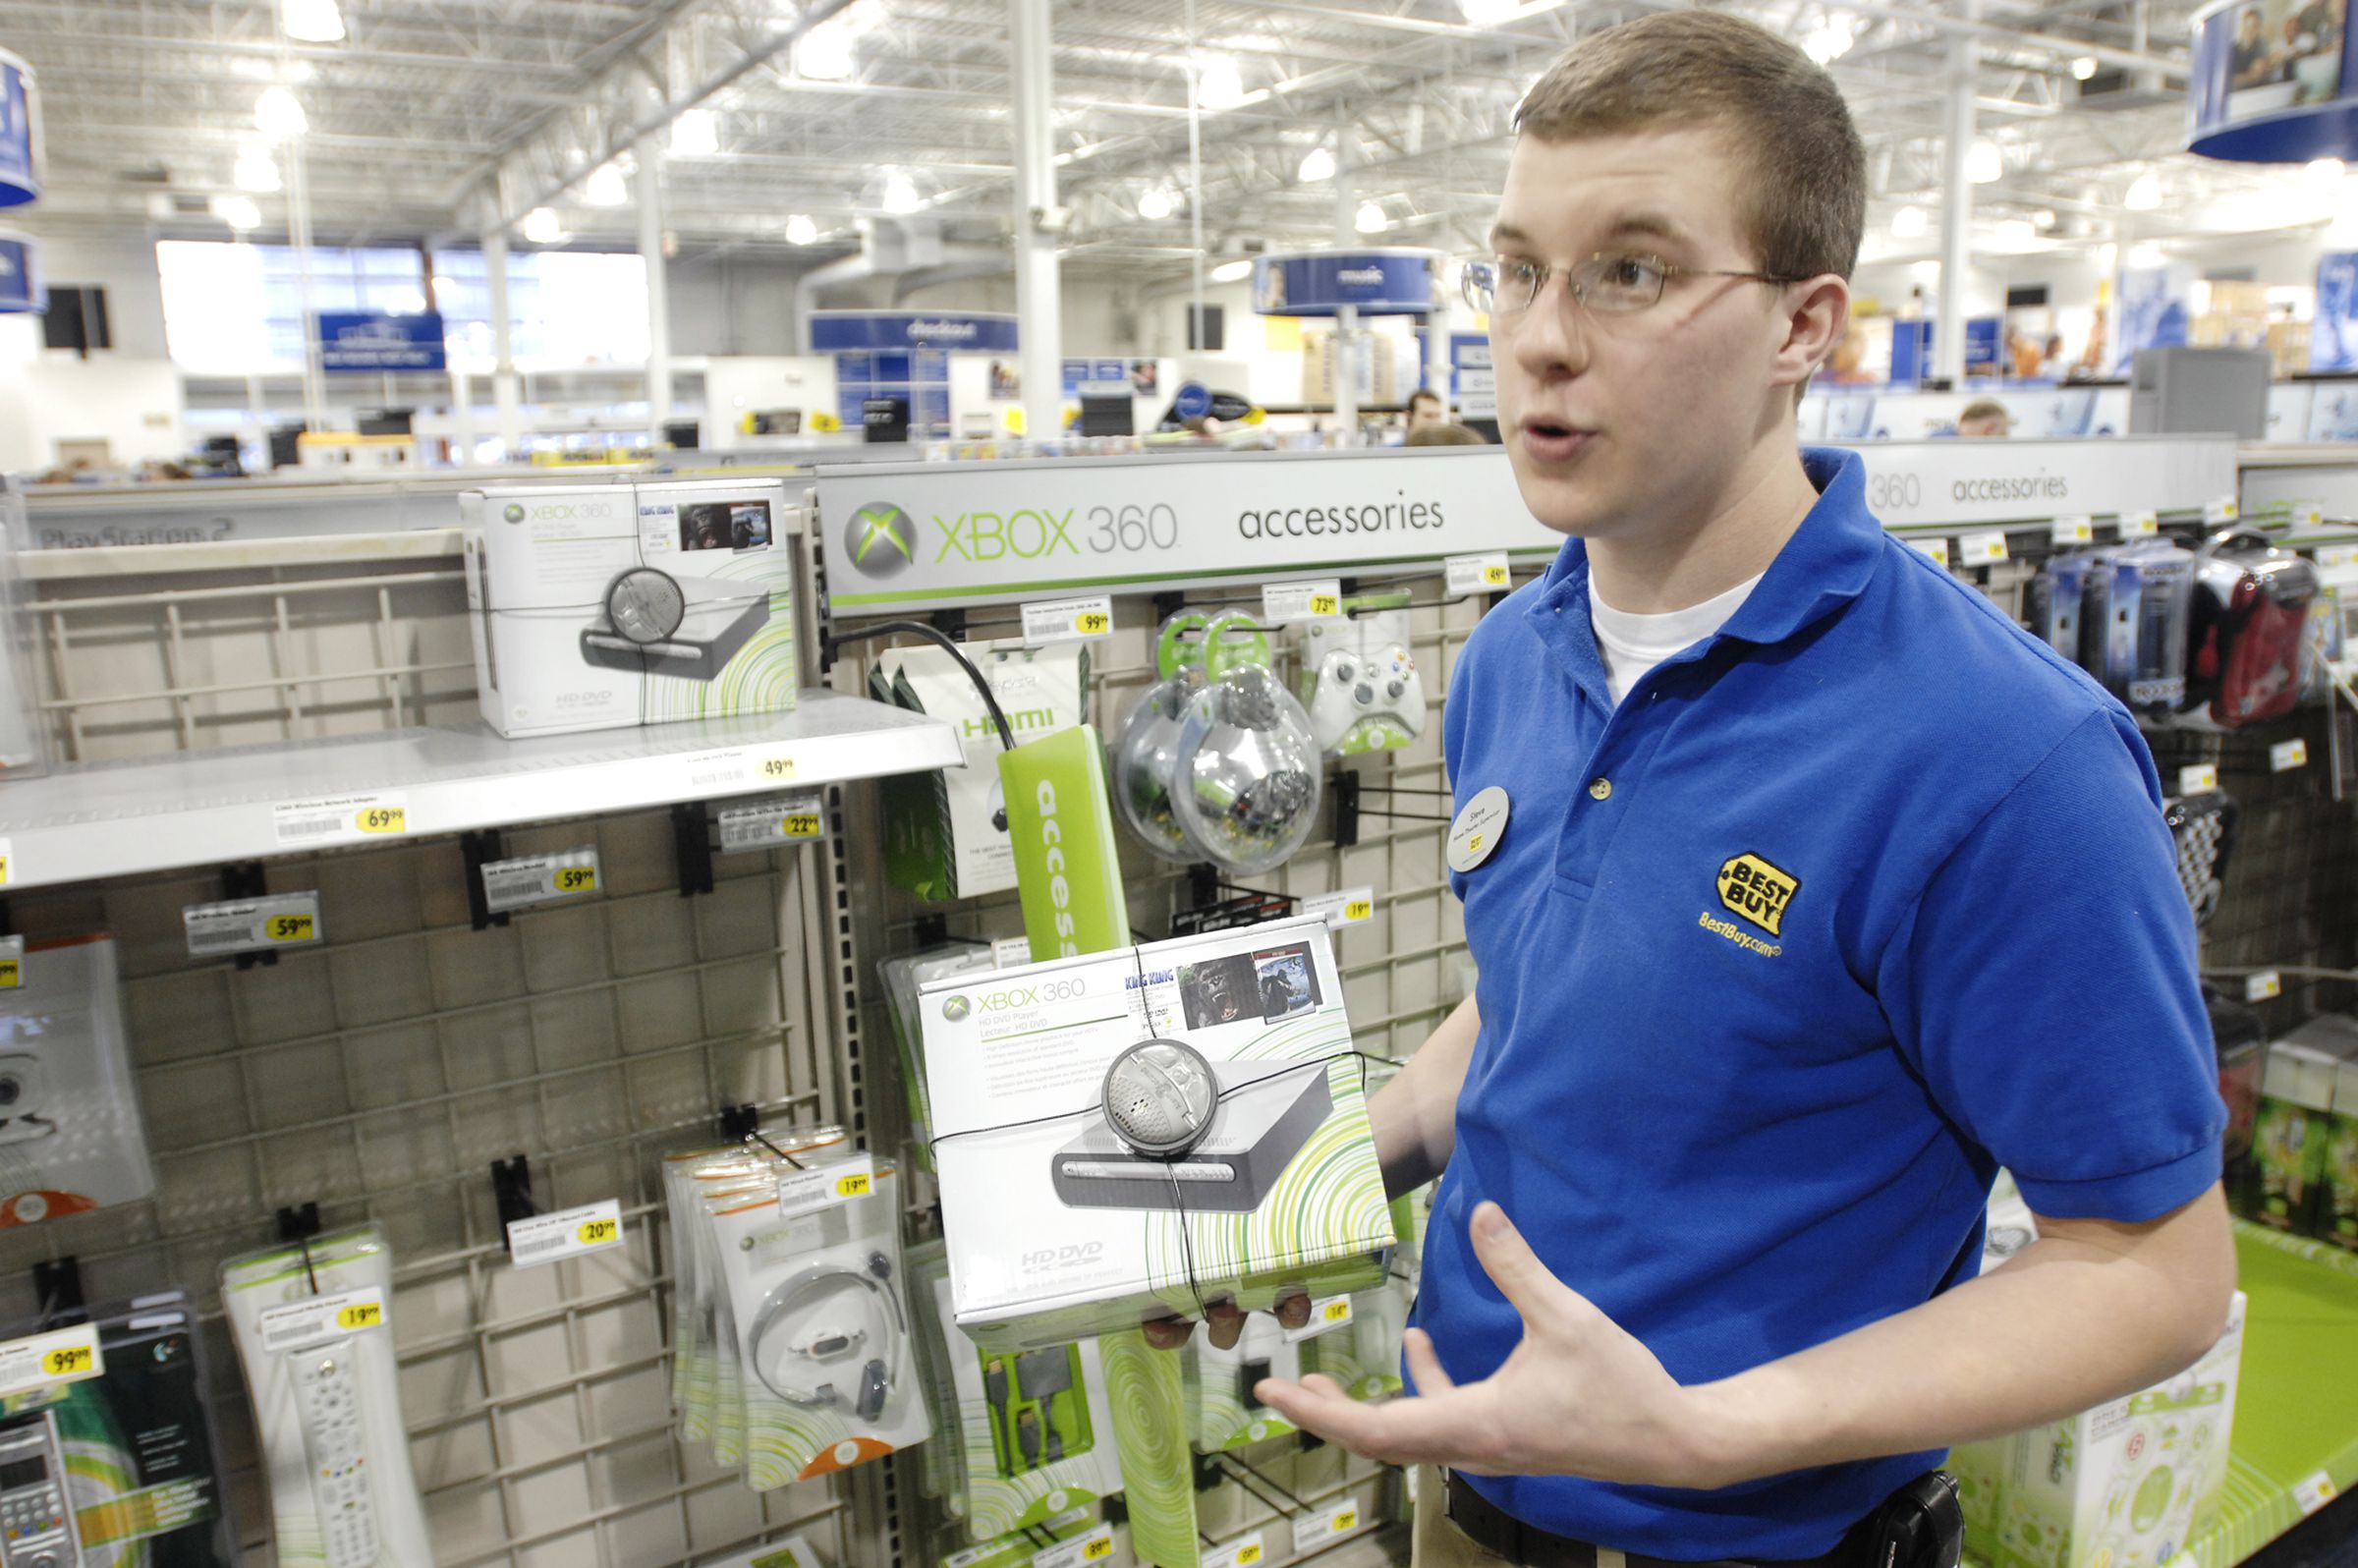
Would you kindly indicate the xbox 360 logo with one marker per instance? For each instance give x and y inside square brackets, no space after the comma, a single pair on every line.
[882,538]
[514,511]
[956,1008]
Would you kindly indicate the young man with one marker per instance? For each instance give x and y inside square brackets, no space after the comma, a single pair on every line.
[1983,419]
[1425,410]
[1823,892]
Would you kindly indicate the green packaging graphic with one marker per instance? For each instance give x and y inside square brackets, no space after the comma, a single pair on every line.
[2128,1483]
[2289,1138]
[2338,1206]
[1060,823]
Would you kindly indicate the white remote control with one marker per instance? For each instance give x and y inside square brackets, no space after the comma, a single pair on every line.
[33,1507]
[326,1397]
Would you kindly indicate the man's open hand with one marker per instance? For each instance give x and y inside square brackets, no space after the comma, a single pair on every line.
[1577,1397]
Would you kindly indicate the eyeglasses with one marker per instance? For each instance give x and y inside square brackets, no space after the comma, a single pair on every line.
[1606,285]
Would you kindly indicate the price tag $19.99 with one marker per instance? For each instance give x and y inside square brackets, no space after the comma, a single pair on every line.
[824,1186]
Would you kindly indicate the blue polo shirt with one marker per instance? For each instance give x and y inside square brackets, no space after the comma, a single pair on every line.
[1839,910]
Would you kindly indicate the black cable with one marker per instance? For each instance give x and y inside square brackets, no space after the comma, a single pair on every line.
[991,700]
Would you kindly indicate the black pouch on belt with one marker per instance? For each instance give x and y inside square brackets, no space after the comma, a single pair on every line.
[1919,1526]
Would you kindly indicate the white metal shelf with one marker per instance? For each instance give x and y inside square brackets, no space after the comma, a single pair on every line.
[205,808]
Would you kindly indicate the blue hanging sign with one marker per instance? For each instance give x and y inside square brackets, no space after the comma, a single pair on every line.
[19,133]
[378,341]
[20,276]
[1391,282]
[1982,345]
[2333,338]
[970,331]
[2272,81]
[1193,402]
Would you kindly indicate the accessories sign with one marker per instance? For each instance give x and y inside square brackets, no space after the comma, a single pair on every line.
[929,534]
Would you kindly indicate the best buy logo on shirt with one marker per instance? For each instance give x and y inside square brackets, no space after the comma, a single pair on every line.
[1752,887]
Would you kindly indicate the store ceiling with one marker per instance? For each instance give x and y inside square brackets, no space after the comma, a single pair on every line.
[435,118]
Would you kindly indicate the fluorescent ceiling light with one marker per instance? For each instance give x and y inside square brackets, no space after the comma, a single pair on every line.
[2044,218]
[900,193]
[2108,258]
[801,230]
[1318,165]
[1908,223]
[1828,42]
[826,53]
[606,187]
[1371,219]
[237,211]
[2017,233]
[1219,83]
[2083,68]
[2144,193]
[279,114]
[1489,13]
[310,20]
[256,171]
[695,134]
[1156,205]
[1231,271]
[541,226]
[1985,164]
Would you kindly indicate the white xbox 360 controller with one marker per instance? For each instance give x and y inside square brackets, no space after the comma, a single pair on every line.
[1378,690]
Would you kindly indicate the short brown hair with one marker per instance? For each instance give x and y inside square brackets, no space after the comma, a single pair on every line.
[1783,115]
[1422,394]
[1444,435]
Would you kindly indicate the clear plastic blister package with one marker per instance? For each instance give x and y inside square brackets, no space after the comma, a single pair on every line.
[795,1357]
[314,1332]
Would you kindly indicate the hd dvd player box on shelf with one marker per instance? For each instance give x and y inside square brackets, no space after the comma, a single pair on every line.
[599,606]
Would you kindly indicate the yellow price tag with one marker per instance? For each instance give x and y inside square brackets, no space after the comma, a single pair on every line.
[576,879]
[291,928]
[1325,604]
[1358,909]
[65,1362]
[3,870]
[1337,1311]
[383,819]
[1348,1518]
[1096,1551]
[776,768]
[593,1231]
[11,975]
[856,1185]
[361,1314]
[1093,623]
[799,824]
[1248,1556]
[1494,575]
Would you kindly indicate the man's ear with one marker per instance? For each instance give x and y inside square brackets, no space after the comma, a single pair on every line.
[1817,314]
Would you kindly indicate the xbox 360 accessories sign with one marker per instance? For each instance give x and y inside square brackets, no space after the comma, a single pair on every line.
[914,536]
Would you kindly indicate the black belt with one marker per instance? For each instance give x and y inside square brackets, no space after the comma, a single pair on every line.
[1493,1529]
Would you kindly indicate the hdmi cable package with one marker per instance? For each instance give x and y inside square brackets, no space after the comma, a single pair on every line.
[314,1333]
[1134,1132]
[120,1468]
[69,1134]
[596,607]
[1035,1432]
[946,831]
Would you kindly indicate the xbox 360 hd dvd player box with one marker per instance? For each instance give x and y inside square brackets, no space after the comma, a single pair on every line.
[596,607]
[1137,1132]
